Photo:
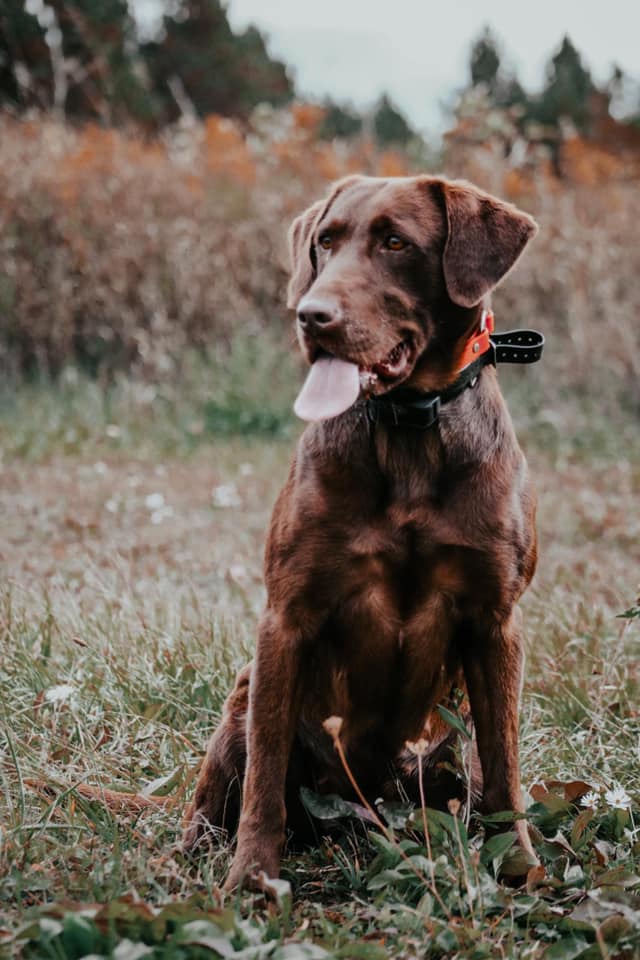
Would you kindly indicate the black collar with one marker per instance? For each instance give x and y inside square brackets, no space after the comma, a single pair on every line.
[410,408]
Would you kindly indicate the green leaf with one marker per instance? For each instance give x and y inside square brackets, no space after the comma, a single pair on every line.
[447,941]
[505,816]
[549,812]
[517,862]
[50,928]
[566,949]
[443,821]
[128,950]
[454,721]
[302,951]
[362,951]
[495,849]
[396,814]
[327,807]
[388,878]
[80,936]
[206,934]
[615,928]
[582,821]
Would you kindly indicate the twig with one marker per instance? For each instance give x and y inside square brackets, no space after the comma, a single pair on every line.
[333,726]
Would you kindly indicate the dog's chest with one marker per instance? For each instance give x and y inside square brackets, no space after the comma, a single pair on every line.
[397,570]
[387,648]
[407,543]
[404,554]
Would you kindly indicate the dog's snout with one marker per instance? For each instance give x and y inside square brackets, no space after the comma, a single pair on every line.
[316,314]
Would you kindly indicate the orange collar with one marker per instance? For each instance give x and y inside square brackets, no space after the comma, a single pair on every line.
[480,342]
[411,408]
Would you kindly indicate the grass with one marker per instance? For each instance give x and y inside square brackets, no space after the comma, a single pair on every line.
[132,525]
[243,389]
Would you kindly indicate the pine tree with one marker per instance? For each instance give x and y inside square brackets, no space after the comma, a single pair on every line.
[339,121]
[484,65]
[390,125]
[487,70]
[567,90]
[199,61]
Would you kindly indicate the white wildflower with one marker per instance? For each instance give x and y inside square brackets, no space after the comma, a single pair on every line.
[113,431]
[618,798]
[61,693]
[246,469]
[111,505]
[591,799]
[154,501]
[226,495]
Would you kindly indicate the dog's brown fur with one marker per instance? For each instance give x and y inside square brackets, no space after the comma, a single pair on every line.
[396,556]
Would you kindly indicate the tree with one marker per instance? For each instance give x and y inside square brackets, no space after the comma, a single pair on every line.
[486,69]
[484,65]
[78,57]
[26,77]
[339,121]
[567,90]
[198,60]
[100,50]
[390,125]
[265,80]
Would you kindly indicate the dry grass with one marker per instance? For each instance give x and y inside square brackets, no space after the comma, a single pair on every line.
[133,587]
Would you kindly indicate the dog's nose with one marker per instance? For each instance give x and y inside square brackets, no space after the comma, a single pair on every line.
[317,313]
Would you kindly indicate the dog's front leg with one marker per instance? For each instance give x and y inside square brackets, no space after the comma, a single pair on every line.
[274,705]
[493,666]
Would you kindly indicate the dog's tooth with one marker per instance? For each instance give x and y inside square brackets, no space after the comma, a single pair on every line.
[367,379]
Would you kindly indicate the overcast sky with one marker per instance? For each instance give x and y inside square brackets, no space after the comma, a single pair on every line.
[418,50]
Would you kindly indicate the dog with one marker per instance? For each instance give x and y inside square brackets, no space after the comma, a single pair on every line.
[405,533]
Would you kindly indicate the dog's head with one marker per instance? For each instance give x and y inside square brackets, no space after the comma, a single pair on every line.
[390,275]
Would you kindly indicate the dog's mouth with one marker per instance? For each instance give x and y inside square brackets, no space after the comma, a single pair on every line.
[333,384]
[396,364]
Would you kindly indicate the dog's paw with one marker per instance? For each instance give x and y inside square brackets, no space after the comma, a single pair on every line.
[253,868]
[257,881]
[198,832]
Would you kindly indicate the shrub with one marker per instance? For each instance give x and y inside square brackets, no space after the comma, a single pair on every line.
[118,252]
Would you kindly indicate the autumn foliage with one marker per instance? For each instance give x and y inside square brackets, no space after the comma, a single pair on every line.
[118,251]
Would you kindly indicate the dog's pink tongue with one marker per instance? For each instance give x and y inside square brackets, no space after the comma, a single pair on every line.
[331,387]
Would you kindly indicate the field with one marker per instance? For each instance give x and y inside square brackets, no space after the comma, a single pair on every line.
[145,429]
[131,553]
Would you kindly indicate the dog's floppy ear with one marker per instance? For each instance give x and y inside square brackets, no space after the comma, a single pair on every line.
[303,268]
[485,238]
[303,265]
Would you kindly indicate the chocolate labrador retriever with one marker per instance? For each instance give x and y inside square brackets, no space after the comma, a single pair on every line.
[405,533]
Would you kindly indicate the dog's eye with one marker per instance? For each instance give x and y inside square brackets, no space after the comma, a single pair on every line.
[395,243]
[324,240]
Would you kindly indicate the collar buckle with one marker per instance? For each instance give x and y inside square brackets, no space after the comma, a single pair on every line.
[421,413]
